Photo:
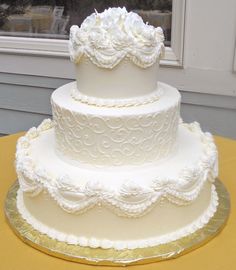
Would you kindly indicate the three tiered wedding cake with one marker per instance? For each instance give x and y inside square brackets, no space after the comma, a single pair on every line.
[116,167]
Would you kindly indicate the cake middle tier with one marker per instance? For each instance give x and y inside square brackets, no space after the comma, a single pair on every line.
[115,136]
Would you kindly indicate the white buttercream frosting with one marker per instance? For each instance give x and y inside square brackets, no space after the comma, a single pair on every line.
[119,245]
[115,136]
[130,198]
[108,37]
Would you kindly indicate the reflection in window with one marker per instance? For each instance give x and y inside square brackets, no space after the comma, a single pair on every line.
[52,18]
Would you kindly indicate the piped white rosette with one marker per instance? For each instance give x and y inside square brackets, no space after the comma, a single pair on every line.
[108,37]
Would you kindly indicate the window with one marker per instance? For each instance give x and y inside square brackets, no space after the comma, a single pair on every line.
[52,19]
[41,27]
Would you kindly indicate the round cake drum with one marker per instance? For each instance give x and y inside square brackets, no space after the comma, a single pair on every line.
[98,256]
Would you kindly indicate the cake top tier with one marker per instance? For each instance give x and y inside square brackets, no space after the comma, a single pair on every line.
[108,37]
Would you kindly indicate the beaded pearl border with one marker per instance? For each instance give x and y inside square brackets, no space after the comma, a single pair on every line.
[117,103]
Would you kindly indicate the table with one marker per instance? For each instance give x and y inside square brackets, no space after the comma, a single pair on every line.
[220,253]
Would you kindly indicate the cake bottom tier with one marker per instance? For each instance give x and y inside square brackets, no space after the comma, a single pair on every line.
[120,208]
[101,228]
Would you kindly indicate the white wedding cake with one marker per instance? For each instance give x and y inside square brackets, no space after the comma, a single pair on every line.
[116,167]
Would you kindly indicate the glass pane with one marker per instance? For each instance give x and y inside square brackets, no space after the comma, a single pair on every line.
[52,19]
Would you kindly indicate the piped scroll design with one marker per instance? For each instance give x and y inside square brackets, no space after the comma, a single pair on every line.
[103,140]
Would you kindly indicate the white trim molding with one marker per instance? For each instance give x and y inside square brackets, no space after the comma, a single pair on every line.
[59,48]
[34,46]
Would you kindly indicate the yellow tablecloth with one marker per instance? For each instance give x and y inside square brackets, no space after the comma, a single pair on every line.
[220,253]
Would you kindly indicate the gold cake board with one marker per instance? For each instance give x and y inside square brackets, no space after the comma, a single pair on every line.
[111,257]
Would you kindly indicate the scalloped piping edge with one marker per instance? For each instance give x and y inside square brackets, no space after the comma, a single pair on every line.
[119,245]
[39,180]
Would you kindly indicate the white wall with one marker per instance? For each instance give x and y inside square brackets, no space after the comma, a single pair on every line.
[209,52]
[209,47]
